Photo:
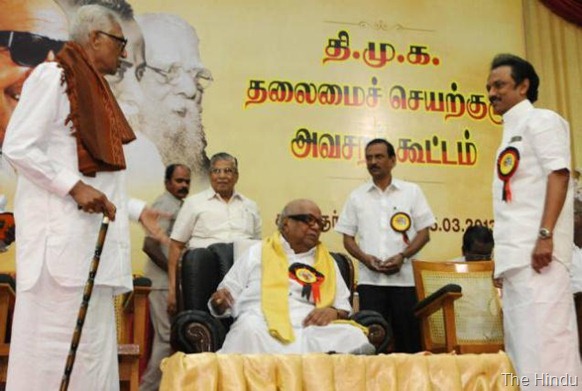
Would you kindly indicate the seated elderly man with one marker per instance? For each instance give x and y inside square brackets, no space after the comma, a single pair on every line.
[286,293]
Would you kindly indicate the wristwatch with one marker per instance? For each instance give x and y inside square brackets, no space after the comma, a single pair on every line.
[544,233]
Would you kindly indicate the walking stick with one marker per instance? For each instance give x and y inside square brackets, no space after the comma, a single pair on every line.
[84,304]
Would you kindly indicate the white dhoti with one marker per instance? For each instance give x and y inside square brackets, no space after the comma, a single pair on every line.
[53,310]
[249,335]
[535,309]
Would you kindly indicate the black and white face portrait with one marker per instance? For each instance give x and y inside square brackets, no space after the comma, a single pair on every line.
[172,85]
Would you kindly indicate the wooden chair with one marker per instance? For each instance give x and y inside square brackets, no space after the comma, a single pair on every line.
[458,307]
[7,296]
[132,319]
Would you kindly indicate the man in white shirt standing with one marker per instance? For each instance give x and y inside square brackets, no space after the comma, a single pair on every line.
[384,223]
[216,215]
[533,201]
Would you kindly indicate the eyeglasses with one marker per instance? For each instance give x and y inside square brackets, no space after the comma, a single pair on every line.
[202,76]
[308,219]
[477,257]
[226,171]
[121,41]
[28,49]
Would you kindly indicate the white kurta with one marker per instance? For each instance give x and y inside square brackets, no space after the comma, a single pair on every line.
[538,311]
[56,242]
[249,333]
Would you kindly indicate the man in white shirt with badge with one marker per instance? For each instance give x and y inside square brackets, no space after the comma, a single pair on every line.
[533,201]
[218,214]
[384,223]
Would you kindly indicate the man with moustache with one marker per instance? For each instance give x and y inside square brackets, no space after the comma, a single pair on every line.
[173,83]
[177,183]
[286,293]
[390,219]
[65,139]
[217,214]
[533,207]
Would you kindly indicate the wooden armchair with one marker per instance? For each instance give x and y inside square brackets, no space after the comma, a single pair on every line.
[132,319]
[458,307]
[7,296]
[200,271]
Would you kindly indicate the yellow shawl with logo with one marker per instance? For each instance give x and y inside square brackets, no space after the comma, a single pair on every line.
[275,285]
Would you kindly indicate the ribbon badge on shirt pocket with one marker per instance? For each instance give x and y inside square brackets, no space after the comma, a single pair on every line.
[309,278]
[400,222]
[507,164]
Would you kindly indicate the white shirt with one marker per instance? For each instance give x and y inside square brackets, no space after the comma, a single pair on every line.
[366,216]
[542,138]
[51,229]
[205,218]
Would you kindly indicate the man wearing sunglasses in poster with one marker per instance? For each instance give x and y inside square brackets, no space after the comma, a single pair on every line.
[31,32]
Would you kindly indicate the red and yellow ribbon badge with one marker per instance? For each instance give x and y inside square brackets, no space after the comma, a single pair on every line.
[400,222]
[309,278]
[507,164]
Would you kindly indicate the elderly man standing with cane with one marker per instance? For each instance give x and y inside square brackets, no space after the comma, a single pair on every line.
[65,139]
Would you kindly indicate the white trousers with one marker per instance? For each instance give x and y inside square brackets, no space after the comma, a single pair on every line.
[541,335]
[43,324]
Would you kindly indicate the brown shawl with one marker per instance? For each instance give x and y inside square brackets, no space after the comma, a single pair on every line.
[98,123]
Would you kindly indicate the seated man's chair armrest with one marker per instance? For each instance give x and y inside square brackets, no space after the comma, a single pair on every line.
[380,333]
[196,331]
[447,294]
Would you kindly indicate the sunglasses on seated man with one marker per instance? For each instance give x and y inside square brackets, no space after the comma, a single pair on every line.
[28,49]
[308,219]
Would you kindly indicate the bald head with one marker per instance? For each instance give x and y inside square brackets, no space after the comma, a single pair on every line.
[300,223]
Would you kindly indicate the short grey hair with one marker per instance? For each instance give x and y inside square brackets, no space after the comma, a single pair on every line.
[90,18]
[224,156]
[119,7]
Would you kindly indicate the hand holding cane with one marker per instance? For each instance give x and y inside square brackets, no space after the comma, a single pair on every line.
[84,304]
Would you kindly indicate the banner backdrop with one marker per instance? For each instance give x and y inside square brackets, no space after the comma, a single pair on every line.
[295,89]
